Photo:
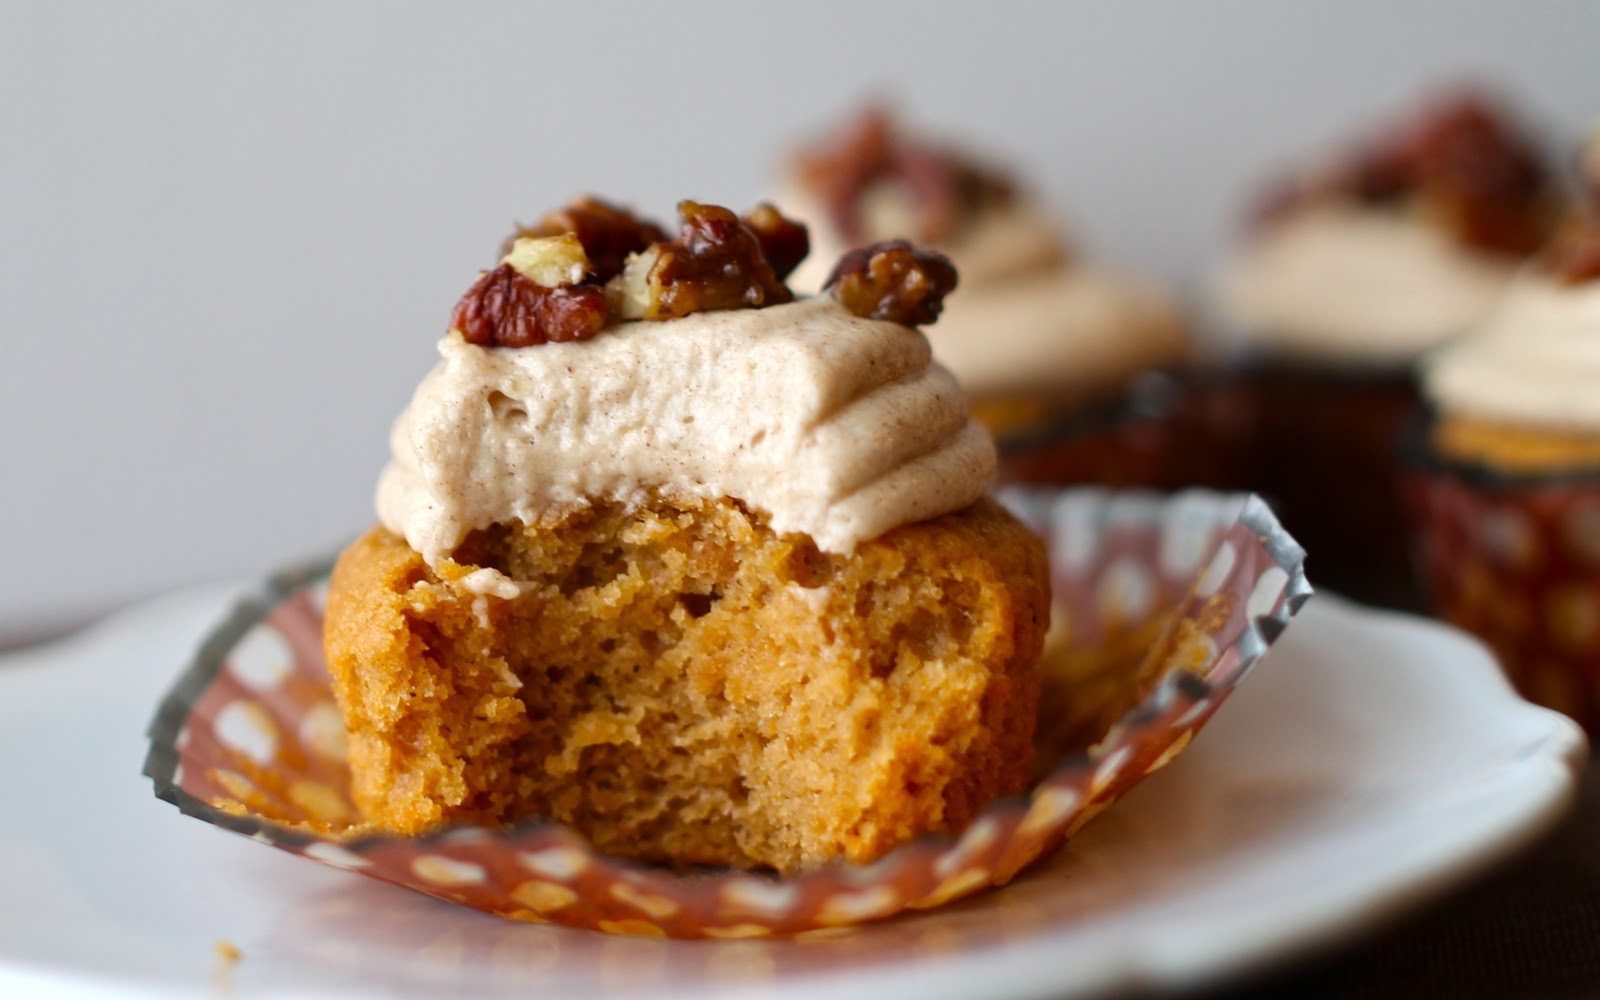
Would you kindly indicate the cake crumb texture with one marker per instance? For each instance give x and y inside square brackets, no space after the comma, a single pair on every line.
[681,684]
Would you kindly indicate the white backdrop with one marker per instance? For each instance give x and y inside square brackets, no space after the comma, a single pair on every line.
[229,236]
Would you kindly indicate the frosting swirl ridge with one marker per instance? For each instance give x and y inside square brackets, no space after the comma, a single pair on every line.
[1359,284]
[838,427]
[1534,363]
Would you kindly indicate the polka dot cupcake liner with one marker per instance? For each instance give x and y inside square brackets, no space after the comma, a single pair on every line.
[1195,587]
[1515,560]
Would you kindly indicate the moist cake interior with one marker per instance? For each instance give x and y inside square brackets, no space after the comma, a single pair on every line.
[678,682]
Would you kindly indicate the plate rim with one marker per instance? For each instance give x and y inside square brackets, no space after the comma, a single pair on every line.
[1557,756]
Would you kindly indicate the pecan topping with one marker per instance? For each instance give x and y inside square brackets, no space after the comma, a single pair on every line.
[946,188]
[592,262]
[717,262]
[893,281]
[784,241]
[505,309]
[1460,162]
[608,233]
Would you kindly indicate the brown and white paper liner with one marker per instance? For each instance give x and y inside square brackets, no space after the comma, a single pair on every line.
[1515,560]
[249,738]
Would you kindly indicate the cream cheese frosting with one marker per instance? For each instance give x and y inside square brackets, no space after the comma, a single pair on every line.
[834,426]
[1534,363]
[1357,284]
[1029,318]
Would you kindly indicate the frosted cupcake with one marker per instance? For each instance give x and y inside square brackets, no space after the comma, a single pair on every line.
[702,571]
[1348,274]
[1510,500]
[1037,330]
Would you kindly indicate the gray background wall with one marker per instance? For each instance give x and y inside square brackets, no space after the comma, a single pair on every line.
[229,236]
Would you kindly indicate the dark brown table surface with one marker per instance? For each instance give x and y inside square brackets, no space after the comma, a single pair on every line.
[1528,928]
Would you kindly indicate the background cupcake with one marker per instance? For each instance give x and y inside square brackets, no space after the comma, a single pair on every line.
[1509,498]
[1036,330]
[1348,273]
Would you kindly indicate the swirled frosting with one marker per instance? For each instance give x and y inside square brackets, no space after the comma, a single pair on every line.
[1534,363]
[838,427]
[1029,317]
[1358,284]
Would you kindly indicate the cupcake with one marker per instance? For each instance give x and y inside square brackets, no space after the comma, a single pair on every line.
[1509,498]
[700,570]
[1037,330]
[1192,589]
[1348,274]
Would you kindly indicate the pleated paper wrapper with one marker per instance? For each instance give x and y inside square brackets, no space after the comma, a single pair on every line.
[1162,606]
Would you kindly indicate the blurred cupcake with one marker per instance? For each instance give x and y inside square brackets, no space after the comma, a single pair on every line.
[1036,331]
[1509,500]
[1347,275]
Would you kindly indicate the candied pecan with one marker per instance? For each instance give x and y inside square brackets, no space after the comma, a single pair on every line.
[946,188]
[609,234]
[1485,182]
[1461,162]
[717,262]
[894,281]
[784,241]
[505,309]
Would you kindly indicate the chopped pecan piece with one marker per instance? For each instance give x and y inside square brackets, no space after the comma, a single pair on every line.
[1485,182]
[717,262]
[946,188]
[784,241]
[551,261]
[894,281]
[505,309]
[609,234]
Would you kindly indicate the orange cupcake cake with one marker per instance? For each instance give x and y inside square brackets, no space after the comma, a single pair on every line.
[704,572]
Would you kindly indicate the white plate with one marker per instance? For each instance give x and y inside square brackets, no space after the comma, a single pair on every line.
[1373,760]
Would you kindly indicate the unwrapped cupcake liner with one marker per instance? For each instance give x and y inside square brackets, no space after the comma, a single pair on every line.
[1515,560]
[249,738]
